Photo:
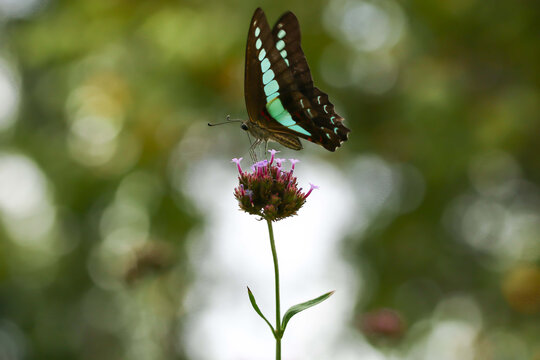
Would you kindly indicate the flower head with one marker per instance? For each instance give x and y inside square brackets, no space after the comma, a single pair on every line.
[268,191]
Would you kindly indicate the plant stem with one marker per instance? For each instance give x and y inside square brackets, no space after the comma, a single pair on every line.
[278,333]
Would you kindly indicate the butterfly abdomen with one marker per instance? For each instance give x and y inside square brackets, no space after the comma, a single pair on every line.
[263,134]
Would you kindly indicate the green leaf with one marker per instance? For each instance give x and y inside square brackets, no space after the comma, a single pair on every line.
[293,310]
[254,304]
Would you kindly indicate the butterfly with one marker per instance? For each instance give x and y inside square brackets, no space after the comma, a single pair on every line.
[282,103]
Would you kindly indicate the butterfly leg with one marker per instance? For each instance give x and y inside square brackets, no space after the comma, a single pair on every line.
[252,152]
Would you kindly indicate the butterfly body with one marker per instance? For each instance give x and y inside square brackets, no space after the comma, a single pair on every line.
[282,103]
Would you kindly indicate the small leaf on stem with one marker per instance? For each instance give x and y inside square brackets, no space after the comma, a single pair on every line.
[293,310]
[256,307]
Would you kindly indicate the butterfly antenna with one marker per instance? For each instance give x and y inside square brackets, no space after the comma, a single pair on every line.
[228,120]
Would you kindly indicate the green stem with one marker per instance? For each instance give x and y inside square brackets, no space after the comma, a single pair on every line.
[278,334]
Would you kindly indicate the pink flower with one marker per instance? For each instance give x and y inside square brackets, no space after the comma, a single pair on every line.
[279,161]
[293,162]
[312,187]
[237,162]
[272,154]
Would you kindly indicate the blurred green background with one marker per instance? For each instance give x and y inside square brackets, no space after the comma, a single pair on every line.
[103,109]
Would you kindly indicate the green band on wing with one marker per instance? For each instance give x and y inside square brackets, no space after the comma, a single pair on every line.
[267,77]
[277,111]
[272,96]
[281,34]
[299,129]
[280,45]
[275,108]
[271,87]
[265,65]
[285,119]
[262,54]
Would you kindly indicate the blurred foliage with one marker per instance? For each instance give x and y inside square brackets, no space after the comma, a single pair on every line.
[113,97]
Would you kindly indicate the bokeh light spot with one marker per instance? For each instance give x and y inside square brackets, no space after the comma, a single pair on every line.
[367,25]
[22,185]
[9,95]
[19,8]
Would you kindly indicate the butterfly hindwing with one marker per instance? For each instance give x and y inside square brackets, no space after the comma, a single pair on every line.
[287,36]
[319,110]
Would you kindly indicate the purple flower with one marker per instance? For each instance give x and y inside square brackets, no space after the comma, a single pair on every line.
[279,161]
[237,162]
[293,162]
[249,194]
[269,192]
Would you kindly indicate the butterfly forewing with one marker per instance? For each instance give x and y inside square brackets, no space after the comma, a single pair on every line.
[253,91]
[266,73]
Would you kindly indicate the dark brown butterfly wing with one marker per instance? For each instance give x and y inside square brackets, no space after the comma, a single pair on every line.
[253,91]
[280,97]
